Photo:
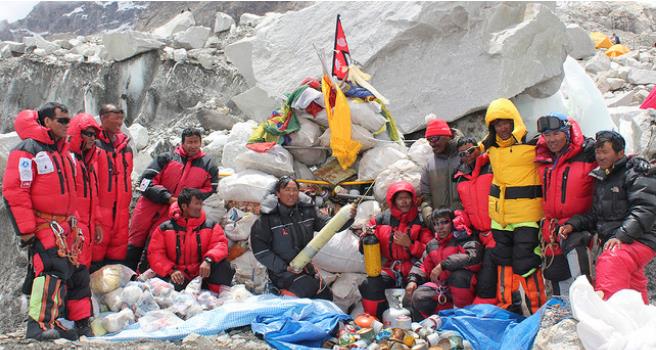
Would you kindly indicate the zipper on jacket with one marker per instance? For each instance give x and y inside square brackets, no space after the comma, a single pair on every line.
[563,189]
[110,169]
[59,173]
[546,186]
[125,173]
[85,178]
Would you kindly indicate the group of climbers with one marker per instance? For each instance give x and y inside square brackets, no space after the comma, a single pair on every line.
[492,219]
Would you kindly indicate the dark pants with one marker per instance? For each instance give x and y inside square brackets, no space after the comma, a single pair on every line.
[373,294]
[562,269]
[303,285]
[517,249]
[220,274]
[486,286]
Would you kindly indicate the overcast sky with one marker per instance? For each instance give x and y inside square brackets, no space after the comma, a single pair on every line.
[15,10]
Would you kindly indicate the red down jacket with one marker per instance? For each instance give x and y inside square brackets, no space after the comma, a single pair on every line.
[395,256]
[164,178]
[86,181]
[474,189]
[40,176]
[114,168]
[182,244]
[567,189]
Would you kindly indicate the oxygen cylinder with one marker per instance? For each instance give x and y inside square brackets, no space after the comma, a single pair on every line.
[372,260]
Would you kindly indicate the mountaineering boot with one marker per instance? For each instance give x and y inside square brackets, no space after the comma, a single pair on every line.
[70,334]
[34,331]
[83,328]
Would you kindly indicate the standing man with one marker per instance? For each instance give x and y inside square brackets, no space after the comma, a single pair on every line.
[188,245]
[565,159]
[82,135]
[623,214]
[39,190]
[437,187]
[473,179]
[515,207]
[186,167]
[114,188]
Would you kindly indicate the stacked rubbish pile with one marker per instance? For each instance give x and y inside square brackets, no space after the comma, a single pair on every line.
[119,300]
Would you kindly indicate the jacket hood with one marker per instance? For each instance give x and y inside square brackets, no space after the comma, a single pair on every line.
[400,186]
[179,150]
[79,123]
[119,143]
[577,140]
[269,204]
[27,127]
[175,213]
[503,108]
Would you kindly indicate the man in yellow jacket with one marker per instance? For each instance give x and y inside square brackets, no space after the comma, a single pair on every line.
[515,207]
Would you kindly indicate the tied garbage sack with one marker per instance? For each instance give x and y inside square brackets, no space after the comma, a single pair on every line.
[402,170]
[214,207]
[250,273]
[309,156]
[158,319]
[215,143]
[239,223]
[379,158]
[116,321]
[145,304]
[345,289]
[248,186]
[236,143]
[621,322]
[420,152]
[113,300]
[185,306]
[340,254]
[366,114]
[301,171]
[358,133]
[109,278]
[307,135]
[276,161]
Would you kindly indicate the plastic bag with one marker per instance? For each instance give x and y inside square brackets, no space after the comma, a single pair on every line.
[159,287]
[366,210]
[276,161]
[238,227]
[214,149]
[237,293]
[250,273]
[420,152]
[358,133]
[403,169]
[185,305]
[309,156]
[379,158]
[110,277]
[249,186]
[307,135]
[208,300]
[145,304]
[113,300]
[231,150]
[301,171]
[193,287]
[214,207]
[117,321]
[340,254]
[132,293]
[240,132]
[158,319]
[366,114]
[345,289]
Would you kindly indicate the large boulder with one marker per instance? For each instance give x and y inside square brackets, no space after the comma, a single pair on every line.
[508,46]
[139,135]
[599,63]
[179,23]
[123,45]
[579,44]
[223,22]
[193,38]
[641,77]
[41,43]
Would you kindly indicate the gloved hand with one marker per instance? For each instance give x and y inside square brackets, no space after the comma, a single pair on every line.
[639,165]
[426,213]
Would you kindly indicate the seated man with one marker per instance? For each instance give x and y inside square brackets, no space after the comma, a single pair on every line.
[403,237]
[188,245]
[447,270]
[624,215]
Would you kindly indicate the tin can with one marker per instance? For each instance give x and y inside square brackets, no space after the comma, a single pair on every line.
[403,322]
[420,344]
[397,335]
[384,334]
[360,344]
[432,322]
[433,339]
[377,326]
[408,340]
[366,334]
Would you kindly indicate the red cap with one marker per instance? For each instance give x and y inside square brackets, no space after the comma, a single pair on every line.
[438,127]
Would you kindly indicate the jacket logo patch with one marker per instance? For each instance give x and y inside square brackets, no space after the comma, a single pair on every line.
[43,163]
[25,170]
[615,189]
[144,184]
[284,231]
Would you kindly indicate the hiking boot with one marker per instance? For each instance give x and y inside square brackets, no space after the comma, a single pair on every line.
[34,331]
[83,328]
[70,334]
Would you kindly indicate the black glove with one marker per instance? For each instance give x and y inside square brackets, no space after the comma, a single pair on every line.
[639,165]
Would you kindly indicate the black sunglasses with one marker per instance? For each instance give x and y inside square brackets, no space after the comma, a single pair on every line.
[467,152]
[550,122]
[88,133]
[63,121]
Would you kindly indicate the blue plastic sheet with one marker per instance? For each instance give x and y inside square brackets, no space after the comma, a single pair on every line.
[286,323]
[490,327]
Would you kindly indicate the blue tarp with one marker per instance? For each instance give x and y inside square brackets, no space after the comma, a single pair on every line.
[489,327]
[286,323]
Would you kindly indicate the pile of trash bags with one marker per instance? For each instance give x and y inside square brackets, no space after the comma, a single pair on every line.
[119,300]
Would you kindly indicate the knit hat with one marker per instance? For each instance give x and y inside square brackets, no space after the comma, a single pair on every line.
[437,127]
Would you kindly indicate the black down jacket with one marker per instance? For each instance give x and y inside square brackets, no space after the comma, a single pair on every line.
[624,204]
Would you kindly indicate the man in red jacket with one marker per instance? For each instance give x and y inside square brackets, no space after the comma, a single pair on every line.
[82,134]
[565,158]
[114,168]
[403,238]
[39,190]
[188,245]
[186,167]
[473,178]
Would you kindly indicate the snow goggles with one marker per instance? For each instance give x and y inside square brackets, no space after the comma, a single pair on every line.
[467,152]
[550,122]
[88,133]
[63,121]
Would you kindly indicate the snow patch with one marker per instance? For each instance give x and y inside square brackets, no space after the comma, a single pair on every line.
[76,10]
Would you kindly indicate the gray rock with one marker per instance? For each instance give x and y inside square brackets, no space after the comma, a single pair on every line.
[599,63]
[193,37]
[73,58]
[64,44]
[41,43]
[255,103]
[123,45]
[222,22]
[250,20]
[139,135]
[624,99]
[579,44]
[615,83]
[60,52]
[180,55]
[5,52]
[179,23]
[641,77]
[212,42]
[216,119]
[240,54]
[15,46]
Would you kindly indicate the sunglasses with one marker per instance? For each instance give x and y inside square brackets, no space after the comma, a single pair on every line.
[63,121]
[434,139]
[550,122]
[88,133]
[467,152]
[443,222]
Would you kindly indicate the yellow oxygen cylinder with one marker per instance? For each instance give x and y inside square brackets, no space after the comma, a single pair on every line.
[372,260]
